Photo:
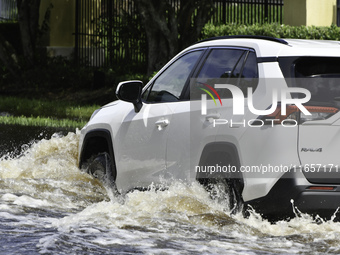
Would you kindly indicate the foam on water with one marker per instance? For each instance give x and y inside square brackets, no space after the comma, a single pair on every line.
[44,159]
[47,171]
[44,191]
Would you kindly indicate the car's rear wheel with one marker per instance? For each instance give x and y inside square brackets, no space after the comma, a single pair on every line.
[225,190]
[220,175]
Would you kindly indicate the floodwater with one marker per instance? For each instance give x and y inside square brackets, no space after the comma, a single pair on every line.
[48,206]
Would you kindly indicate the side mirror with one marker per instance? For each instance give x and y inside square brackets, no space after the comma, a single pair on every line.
[131,91]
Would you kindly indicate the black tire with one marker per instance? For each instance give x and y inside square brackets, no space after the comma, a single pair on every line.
[236,202]
[228,183]
[225,190]
[101,167]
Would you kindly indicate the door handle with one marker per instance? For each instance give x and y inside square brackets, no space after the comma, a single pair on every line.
[162,123]
[212,116]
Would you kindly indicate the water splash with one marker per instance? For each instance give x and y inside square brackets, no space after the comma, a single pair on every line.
[79,213]
[47,169]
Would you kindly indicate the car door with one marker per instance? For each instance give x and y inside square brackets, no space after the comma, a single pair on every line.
[142,137]
[194,130]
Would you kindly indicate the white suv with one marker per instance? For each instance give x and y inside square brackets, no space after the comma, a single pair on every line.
[259,115]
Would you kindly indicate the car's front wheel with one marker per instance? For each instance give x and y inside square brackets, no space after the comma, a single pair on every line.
[101,167]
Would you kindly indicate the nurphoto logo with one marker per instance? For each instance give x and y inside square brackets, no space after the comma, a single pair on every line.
[283,97]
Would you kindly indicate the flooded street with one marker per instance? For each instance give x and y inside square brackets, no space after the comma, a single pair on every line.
[48,206]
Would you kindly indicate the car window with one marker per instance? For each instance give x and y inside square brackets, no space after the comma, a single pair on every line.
[249,76]
[313,66]
[227,66]
[169,85]
[321,76]
[221,63]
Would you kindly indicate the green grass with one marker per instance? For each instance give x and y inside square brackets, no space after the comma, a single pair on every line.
[35,112]
[41,122]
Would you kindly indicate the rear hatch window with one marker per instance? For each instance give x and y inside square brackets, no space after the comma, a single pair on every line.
[320,76]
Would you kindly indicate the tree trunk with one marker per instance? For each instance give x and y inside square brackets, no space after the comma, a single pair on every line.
[28,15]
[161,35]
[192,17]
[169,30]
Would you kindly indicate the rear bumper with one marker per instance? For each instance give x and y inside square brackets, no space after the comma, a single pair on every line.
[295,191]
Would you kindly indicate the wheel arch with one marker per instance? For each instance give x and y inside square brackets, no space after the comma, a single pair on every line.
[220,153]
[97,141]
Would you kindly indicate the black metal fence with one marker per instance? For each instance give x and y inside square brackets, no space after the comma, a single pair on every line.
[111,33]
[338,13]
[8,10]
[248,11]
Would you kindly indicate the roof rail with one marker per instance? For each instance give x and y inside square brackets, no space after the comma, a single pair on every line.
[268,38]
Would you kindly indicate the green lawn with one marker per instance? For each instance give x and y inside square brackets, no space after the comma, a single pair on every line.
[44,113]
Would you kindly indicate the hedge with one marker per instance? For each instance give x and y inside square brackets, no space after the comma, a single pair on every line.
[274,30]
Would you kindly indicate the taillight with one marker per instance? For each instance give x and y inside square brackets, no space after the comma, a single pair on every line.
[321,188]
[293,113]
[318,113]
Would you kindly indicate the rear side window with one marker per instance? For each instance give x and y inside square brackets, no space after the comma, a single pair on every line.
[249,75]
[223,63]
[228,66]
